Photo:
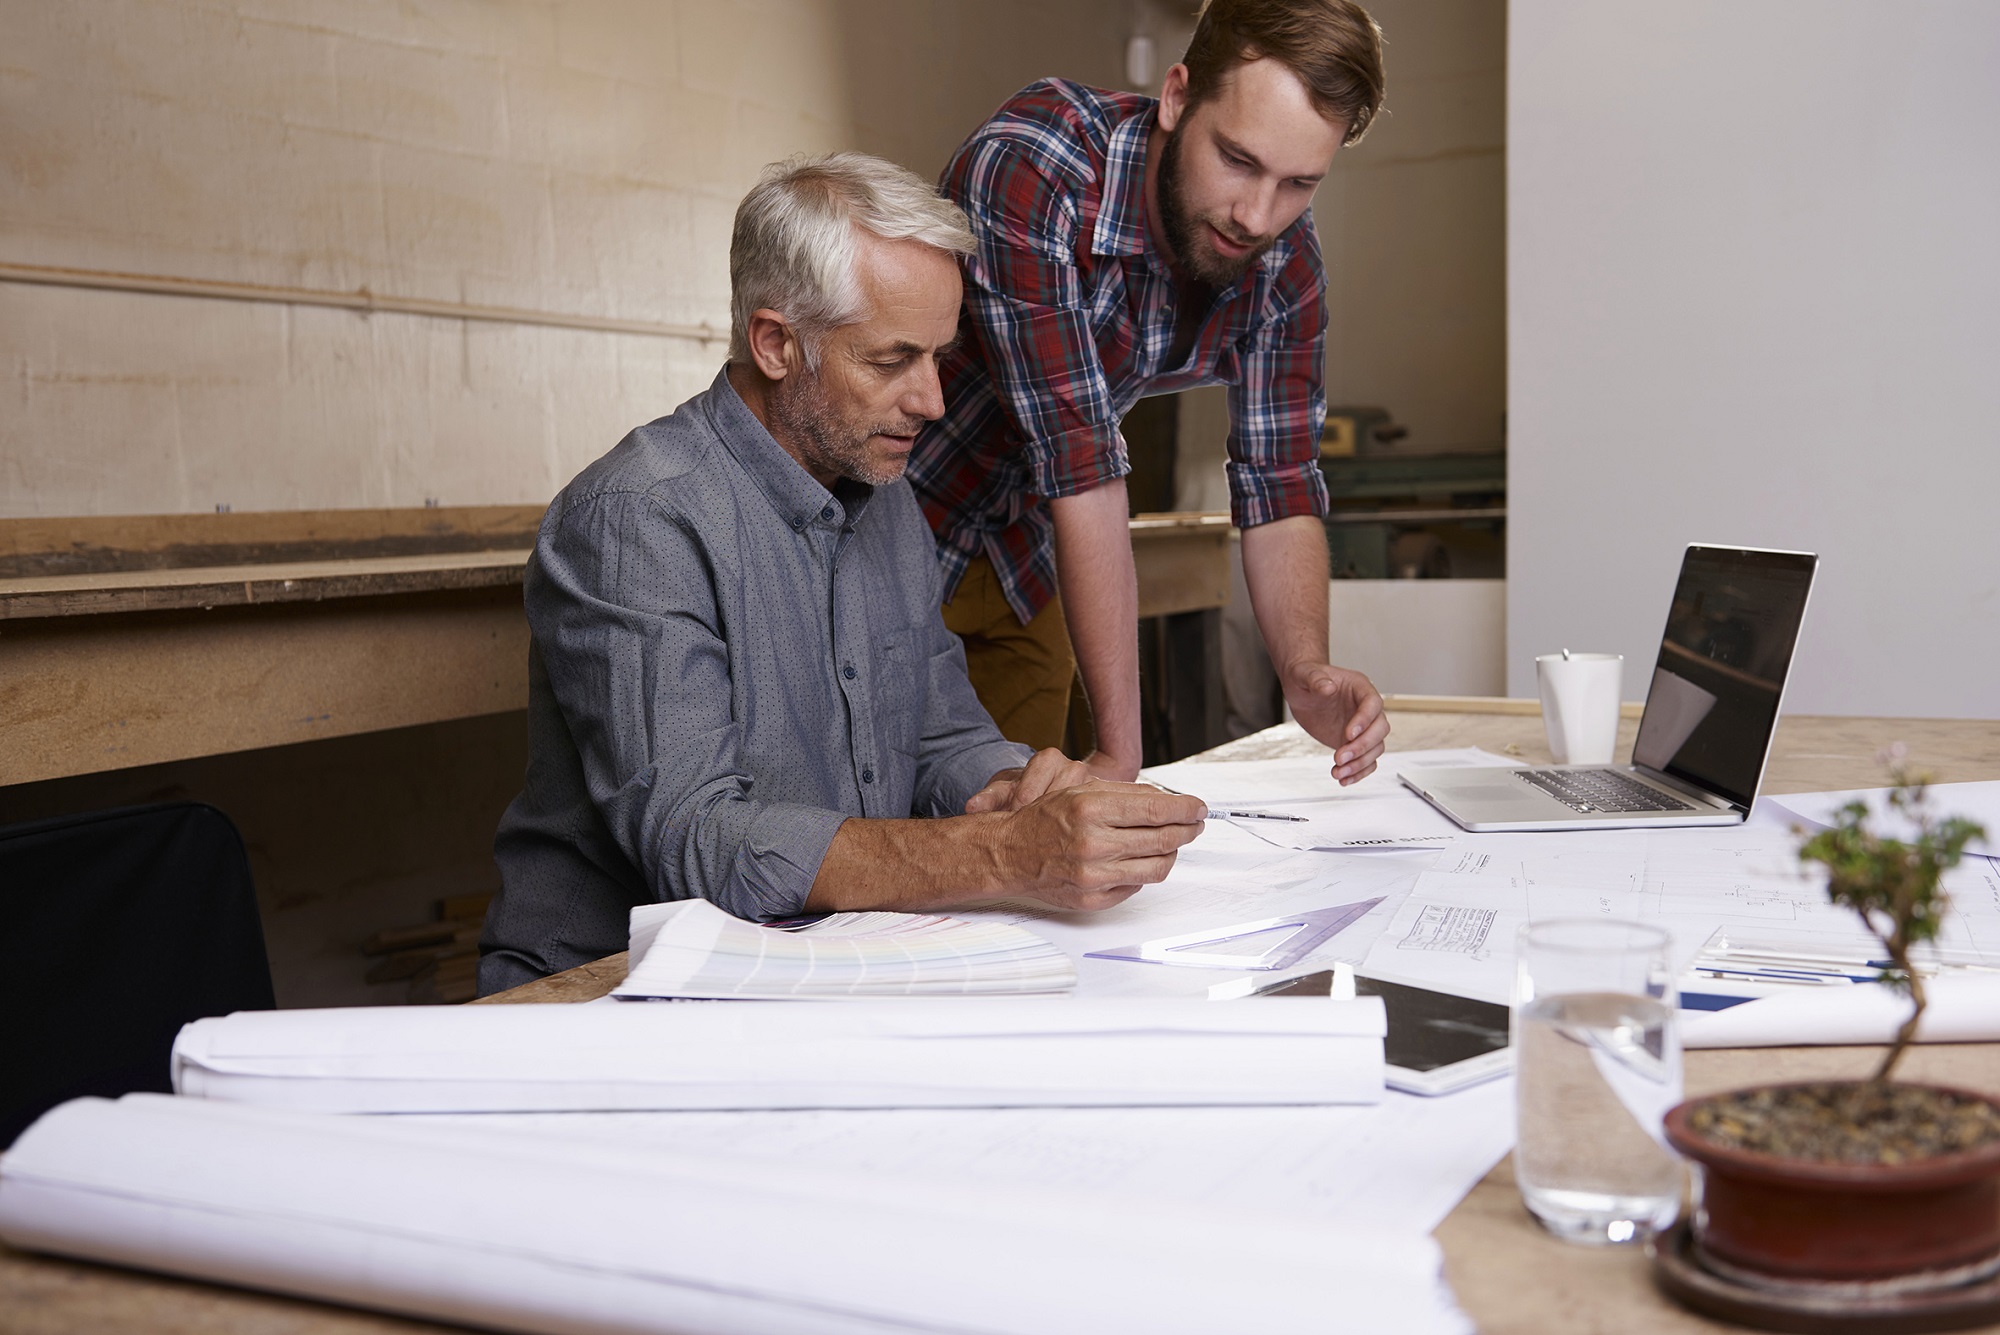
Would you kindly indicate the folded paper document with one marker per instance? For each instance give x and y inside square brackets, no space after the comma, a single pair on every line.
[690,948]
[1031,1052]
[512,1232]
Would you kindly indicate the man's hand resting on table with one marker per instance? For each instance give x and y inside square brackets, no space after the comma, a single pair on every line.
[1048,831]
[1342,709]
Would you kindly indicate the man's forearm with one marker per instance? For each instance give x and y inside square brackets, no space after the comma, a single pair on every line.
[1285,566]
[911,865]
[1084,846]
[1284,563]
[1100,597]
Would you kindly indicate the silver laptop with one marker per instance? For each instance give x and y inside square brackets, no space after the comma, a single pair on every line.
[1710,713]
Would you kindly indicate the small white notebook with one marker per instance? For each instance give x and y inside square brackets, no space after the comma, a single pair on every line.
[690,948]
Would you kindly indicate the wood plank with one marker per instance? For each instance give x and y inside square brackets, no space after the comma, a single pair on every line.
[586,982]
[244,585]
[1484,704]
[93,544]
[44,1295]
[1182,561]
[84,694]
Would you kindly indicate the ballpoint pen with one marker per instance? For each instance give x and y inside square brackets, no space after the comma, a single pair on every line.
[1254,815]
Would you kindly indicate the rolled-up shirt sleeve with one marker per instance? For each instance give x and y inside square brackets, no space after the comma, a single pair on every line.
[624,617]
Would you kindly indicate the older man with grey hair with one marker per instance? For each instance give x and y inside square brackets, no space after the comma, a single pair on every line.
[741,687]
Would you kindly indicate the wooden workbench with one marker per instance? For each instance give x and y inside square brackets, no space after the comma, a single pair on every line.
[1510,1276]
[137,640]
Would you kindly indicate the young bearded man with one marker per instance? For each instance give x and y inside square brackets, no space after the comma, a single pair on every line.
[740,687]
[1129,247]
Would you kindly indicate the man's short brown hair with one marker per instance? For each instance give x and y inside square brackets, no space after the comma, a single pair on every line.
[1332,45]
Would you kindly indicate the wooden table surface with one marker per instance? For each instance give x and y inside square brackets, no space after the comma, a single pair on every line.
[1512,1278]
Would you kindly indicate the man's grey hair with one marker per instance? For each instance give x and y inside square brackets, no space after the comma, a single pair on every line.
[794,244]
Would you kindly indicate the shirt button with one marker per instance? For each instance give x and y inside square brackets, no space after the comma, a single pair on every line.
[848,672]
[798,524]
[868,775]
[826,513]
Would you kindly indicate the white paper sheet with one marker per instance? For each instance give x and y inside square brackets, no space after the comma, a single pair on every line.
[545,1234]
[1975,801]
[796,1054]
[1401,1166]
[1301,778]
[1377,812]
[1963,1008]
[1455,930]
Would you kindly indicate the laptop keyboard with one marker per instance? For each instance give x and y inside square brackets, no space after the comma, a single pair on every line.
[1592,790]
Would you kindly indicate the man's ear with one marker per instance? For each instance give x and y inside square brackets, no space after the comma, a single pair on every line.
[1173,97]
[774,344]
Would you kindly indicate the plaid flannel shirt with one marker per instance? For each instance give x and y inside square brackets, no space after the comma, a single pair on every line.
[1069,317]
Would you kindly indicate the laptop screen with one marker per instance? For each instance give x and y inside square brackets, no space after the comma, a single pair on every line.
[1714,699]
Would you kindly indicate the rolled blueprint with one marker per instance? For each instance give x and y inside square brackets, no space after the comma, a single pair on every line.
[517,1233]
[1964,1008]
[797,1054]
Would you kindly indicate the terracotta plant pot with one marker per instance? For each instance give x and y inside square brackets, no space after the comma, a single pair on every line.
[1787,1221]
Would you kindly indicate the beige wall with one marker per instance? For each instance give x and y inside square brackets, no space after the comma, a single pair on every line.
[581,159]
[1413,221]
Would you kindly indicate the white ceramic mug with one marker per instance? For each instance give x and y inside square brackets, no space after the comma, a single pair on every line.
[1580,705]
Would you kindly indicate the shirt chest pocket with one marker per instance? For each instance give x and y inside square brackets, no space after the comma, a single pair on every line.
[900,696]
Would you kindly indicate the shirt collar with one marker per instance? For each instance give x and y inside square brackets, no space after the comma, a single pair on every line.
[1121,214]
[793,492]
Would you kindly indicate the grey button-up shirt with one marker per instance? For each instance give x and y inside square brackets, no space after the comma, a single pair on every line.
[728,662]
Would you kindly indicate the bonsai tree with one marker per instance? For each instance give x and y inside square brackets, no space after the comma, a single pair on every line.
[1893,885]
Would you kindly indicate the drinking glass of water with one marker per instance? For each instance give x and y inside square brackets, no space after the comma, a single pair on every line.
[1597,1064]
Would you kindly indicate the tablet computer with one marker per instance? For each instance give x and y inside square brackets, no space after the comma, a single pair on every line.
[1436,1043]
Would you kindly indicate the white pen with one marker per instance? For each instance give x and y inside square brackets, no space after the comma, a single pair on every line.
[1253,815]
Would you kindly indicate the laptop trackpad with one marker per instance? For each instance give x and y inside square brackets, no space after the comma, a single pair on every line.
[1486,802]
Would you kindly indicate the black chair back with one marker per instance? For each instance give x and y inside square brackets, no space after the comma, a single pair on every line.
[117,928]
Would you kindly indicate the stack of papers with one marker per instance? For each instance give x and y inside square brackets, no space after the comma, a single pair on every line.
[1294,802]
[854,1054]
[690,948]
[526,1233]
[1456,928]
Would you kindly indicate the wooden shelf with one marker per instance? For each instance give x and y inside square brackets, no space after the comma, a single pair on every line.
[256,584]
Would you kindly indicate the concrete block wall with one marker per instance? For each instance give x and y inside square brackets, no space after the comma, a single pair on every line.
[580,158]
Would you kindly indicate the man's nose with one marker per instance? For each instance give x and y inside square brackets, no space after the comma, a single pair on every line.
[925,397]
[1252,214]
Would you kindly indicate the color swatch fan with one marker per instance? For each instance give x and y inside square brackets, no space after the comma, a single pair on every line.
[690,948]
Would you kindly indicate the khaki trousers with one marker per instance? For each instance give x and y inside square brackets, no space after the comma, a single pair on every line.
[1021,674]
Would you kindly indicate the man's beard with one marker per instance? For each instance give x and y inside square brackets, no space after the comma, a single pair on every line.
[1184,233]
[829,444]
